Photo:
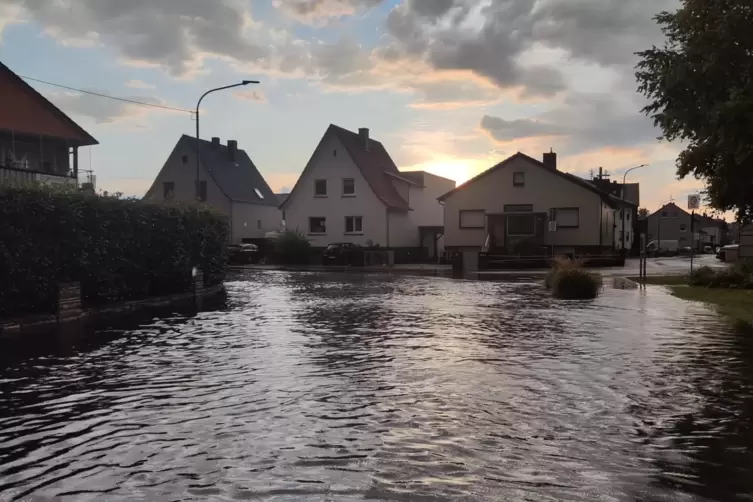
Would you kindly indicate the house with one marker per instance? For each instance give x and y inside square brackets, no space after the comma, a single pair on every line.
[670,222]
[38,142]
[228,181]
[509,207]
[352,191]
[628,227]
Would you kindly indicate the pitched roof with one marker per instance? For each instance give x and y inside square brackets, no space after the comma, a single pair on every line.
[237,178]
[282,197]
[608,199]
[375,164]
[85,138]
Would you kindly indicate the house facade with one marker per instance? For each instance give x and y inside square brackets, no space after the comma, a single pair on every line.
[38,142]
[228,182]
[508,209]
[671,222]
[628,197]
[352,191]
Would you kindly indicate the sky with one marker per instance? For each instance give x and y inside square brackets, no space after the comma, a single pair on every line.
[449,86]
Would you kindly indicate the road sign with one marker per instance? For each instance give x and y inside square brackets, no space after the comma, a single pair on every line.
[552,226]
[694,201]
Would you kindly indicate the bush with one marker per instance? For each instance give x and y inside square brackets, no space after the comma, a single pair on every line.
[561,263]
[739,275]
[118,249]
[702,277]
[576,284]
[292,248]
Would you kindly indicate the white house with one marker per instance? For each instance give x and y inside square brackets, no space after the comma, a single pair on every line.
[352,191]
[510,207]
[228,181]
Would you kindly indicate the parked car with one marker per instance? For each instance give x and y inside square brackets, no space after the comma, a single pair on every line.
[339,253]
[243,253]
[732,249]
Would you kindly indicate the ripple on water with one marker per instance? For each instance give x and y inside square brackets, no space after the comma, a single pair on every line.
[344,387]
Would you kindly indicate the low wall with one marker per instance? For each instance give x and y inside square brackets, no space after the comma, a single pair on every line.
[70,310]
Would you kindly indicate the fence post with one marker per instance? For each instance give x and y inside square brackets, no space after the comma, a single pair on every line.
[69,300]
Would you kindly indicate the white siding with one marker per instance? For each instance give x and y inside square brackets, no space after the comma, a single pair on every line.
[247,218]
[302,204]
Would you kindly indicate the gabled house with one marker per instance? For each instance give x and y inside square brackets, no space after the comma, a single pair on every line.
[352,191]
[508,208]
[671,222]
[628,196]
[228,181]
[38,142]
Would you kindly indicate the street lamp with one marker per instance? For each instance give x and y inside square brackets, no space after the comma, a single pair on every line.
[624,179]
[198,141]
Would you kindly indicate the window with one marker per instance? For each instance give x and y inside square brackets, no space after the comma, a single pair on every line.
[521,225]
[519,179]
[258,224]
[202,192]
[184,159]
[317,225]
[674,214]
[334,153]
[472,219]
[664,214]
[627,217]
[168,190]
[349,187]
[518,208]
[320,188]
[683,228]
[566,217]
[353,224]
[258,193]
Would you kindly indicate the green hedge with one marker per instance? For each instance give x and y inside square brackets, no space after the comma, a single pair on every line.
[117,248]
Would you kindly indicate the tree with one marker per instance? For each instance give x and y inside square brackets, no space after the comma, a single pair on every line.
[643,213]
[700,88]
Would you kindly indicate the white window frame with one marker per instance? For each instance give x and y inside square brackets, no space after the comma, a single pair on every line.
[474,212]
[326,188]
[351,194]
[356,230]
[324,220]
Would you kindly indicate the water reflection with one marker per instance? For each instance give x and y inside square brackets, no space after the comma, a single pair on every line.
[344,387]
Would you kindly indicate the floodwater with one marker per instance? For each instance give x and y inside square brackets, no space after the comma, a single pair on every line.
[348,387]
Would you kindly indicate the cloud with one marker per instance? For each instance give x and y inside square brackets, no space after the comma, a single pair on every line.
[255,96]
[507,130]
[139,84]
[313,11]
[102,110]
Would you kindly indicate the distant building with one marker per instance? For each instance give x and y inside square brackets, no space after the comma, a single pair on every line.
[38,142]
[630,193]
[352,191]
[228,181]
[670,222]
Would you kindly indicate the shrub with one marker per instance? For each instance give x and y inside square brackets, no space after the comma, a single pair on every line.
[117,248]
[576,284]
[561,263]
[292,248]
[702,277]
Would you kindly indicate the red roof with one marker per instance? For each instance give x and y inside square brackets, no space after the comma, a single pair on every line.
[28,112]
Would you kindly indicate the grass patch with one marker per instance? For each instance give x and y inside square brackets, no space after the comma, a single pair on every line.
[735,303]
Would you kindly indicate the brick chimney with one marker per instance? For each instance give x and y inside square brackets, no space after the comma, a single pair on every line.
[215,143]
[363,132]
[550,160]
[232,148]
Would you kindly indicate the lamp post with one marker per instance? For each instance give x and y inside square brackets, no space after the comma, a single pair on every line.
[198,141]
[624,179]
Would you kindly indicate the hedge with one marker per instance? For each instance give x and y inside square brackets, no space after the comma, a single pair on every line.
[118,249]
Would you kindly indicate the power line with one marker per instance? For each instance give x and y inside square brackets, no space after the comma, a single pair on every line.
[92,93]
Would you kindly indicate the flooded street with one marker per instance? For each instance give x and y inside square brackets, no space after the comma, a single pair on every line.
[348,387]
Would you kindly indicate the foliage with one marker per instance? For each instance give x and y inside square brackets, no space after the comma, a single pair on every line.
[643,213]
[292,248]
[117,248]
[739,275]
[699,86]
[570,281]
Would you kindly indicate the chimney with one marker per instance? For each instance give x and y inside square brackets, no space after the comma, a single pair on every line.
[215,142]
[550,160]
[363,132]
[232,147]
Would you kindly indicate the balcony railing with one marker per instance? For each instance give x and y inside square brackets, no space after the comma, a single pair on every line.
[13,174]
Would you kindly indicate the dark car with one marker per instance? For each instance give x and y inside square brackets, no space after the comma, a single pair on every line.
[340,253]
[239,254]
